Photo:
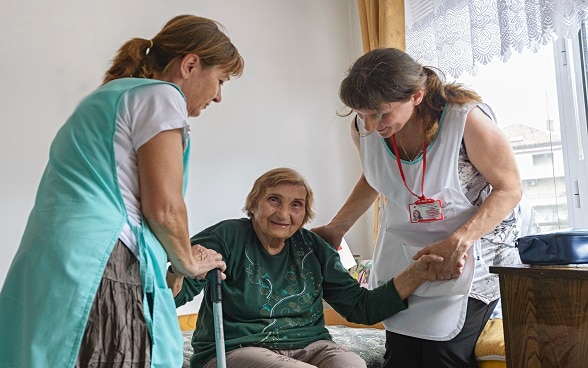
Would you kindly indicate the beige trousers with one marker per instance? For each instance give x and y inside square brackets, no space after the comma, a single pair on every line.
[322,354]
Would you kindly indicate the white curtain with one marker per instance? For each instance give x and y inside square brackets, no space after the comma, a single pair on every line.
[459,35]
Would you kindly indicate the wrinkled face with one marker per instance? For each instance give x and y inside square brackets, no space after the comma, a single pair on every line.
[279,213]
[203,87]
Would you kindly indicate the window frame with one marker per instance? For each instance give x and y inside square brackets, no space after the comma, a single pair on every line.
[571,90]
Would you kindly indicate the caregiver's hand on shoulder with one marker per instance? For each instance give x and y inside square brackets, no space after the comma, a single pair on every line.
[330,235]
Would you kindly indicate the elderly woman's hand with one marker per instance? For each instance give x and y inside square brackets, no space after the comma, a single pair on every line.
[453,255]
[419,269]
[415,274]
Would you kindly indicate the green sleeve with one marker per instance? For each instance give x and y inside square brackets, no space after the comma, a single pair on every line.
[357,304]
[190,288]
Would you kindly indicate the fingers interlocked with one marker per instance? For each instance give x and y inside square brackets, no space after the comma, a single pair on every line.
[443,278]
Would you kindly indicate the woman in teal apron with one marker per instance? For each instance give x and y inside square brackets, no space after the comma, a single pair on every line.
[87,285]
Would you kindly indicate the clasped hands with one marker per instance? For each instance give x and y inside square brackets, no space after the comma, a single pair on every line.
[453,260]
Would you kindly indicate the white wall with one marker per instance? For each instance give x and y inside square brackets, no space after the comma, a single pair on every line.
[282,112]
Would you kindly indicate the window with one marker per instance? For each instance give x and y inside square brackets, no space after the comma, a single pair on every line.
[540,104]
[543,159]
[571,55]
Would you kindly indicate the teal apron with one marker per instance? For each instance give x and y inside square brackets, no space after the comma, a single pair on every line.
[76,220]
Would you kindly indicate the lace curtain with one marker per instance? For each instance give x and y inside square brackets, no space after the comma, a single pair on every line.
[459,35]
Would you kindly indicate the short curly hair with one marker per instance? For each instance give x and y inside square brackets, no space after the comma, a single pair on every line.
[273,178]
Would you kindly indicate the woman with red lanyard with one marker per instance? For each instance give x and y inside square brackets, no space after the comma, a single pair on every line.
[450,186]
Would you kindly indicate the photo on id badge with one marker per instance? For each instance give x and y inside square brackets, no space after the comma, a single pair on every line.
[426,211]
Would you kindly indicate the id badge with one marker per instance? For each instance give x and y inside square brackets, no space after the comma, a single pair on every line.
[425,210]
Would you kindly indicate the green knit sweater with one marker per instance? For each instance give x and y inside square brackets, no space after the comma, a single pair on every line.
[276,301]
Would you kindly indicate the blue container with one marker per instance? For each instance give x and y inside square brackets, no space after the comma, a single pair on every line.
[555,248]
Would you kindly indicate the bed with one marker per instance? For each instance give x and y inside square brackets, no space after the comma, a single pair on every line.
[368,341]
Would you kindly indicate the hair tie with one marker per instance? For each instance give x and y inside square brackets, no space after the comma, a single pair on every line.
[149,48]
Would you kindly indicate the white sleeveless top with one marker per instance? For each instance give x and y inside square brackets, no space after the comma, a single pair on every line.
[436,310]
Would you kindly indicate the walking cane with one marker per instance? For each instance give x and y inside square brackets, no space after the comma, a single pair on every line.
[214,278]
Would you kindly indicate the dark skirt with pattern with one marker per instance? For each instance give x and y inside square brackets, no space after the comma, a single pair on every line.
[116,334]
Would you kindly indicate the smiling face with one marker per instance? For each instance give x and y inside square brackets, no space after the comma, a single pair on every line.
[278,214]
[391,117]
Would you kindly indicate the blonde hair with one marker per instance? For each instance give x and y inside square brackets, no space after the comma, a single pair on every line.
[273,178]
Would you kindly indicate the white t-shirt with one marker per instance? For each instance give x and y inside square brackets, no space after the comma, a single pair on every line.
[143,113]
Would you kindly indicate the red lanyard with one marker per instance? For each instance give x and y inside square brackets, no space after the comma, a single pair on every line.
[422,197]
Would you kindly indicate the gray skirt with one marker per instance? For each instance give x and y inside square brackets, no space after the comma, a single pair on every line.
[116,334]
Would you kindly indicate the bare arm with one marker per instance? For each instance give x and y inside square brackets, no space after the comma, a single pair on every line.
[160,166]
[359,201]
[490,152]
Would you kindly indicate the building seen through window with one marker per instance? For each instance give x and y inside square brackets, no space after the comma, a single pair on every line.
[523,94]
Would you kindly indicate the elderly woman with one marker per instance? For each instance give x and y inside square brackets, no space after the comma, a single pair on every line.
[276,279]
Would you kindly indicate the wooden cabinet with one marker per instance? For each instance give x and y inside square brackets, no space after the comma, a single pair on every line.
[545,312]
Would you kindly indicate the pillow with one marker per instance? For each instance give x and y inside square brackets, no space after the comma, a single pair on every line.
[188,321]
[491,364]
[490,345]
[368,343]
